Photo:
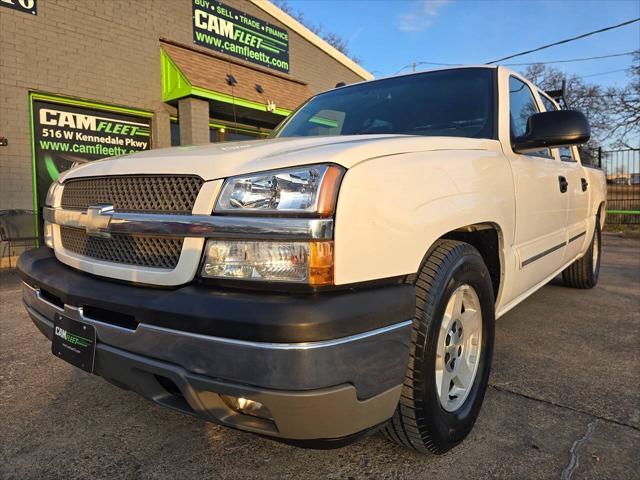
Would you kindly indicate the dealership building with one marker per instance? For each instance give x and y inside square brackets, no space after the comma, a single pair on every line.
[82,80]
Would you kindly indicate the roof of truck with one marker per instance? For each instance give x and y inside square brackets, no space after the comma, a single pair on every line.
[451,67]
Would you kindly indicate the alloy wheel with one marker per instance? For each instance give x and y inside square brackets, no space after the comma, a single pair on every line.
[459,348]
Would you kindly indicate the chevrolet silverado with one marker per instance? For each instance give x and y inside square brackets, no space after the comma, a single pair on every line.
[339,278]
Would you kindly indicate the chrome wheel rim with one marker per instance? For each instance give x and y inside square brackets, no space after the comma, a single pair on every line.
[595,253]
[459,348]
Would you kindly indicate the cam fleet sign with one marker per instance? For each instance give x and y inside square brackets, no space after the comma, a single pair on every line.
[66,135]
[26,6]
[227,30]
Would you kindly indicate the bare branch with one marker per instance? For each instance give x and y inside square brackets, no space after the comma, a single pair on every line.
[614,113]
[336,41]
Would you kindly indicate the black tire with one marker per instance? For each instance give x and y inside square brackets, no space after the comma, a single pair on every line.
[583,273]
[420,422]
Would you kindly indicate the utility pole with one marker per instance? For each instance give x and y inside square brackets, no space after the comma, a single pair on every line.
[414,67]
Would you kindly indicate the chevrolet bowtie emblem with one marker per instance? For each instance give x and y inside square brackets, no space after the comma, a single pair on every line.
[97,220]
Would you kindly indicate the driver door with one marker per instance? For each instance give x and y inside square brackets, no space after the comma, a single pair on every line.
[541,198]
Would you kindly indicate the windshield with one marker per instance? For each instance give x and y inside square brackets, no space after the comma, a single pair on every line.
[457,103]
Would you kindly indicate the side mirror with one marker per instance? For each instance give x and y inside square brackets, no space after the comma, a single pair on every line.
[560,128]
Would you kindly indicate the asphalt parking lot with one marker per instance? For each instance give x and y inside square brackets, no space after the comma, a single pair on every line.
[564,402]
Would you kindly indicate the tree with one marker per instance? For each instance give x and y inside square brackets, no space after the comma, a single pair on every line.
[625,106]
[336,41]
[592,100]
[613,113]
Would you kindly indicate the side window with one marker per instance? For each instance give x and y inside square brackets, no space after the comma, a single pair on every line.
[521,106]
[548,104]
[566,154]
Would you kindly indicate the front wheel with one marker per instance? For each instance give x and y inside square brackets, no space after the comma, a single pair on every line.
[452,345]
[584,272]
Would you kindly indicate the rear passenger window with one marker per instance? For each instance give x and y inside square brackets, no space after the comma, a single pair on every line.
[522,105]
[566,154]
[548,104]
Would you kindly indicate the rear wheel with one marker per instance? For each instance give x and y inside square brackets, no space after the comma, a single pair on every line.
[452,345]
[584,272]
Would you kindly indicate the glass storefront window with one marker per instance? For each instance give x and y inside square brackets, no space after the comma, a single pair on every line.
[175,133]
[232,136]
[222,133]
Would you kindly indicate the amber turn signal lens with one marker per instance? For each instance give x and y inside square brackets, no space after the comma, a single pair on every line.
[320,263]
[328,193]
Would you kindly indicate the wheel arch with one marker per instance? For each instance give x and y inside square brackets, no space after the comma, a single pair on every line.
[488,239]
[601,213]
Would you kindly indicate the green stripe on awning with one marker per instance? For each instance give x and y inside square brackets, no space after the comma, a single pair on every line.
[175,85]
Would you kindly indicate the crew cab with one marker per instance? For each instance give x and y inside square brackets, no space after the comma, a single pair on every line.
[339,278]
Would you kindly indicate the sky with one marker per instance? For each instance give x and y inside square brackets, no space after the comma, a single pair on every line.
[388,35]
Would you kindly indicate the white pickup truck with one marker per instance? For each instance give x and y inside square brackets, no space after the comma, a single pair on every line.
[341,277]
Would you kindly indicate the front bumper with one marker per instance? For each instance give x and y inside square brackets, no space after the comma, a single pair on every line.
[322,387]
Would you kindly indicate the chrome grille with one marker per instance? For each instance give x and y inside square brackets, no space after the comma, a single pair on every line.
[156,252]
[174,194]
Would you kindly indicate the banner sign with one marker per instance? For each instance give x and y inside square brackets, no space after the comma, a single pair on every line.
[65,136]
[227,30]
[26,6]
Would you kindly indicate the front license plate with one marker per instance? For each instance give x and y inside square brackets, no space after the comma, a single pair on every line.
[74,342]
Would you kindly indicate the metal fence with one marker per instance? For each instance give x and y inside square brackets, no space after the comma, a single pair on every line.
[622,168]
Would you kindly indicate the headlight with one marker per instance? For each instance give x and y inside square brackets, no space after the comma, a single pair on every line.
[51,193]
[299,262]
[311,189]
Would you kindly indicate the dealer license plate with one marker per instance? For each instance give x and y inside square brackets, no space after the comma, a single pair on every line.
[74,342]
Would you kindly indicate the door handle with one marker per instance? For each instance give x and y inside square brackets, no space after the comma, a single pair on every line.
[585,184]
[563,184]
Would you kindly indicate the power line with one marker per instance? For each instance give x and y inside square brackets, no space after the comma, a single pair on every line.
[427,63]
[530,63]
[613,95]
[578,37]
[605,73]
[569,60]
[576,59]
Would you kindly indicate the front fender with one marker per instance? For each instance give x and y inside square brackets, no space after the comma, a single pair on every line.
[392,209]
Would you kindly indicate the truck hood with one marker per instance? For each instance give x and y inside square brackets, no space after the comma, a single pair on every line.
[214,161]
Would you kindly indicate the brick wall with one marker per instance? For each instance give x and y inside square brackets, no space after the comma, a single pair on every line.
[109,52]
